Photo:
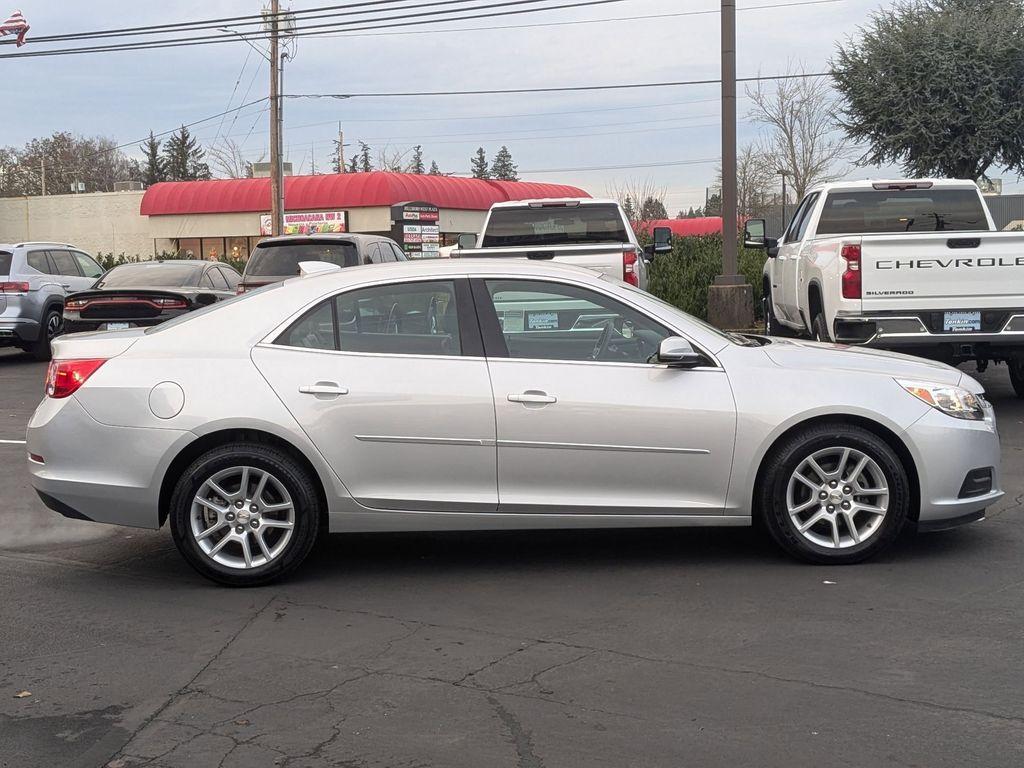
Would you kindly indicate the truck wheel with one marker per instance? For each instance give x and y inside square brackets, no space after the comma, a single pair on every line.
[53,324]
[819,327]
[1017,376]
[771,324]
[834,494]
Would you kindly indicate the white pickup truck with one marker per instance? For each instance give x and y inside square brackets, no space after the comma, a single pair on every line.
[915,266]
[586,232]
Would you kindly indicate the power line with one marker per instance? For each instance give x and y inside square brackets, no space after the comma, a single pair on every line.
[631,166]
[556,89]
[315,29]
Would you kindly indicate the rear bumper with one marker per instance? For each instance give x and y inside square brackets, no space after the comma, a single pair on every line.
[16,331]
[946,451]
[1002,334]
[97,472]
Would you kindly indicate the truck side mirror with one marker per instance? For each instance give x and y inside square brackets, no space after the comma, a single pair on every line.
[662,240]
[467,240]
[754,234]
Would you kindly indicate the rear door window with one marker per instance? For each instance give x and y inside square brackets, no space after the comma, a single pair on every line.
[217,278]
[282,259]
[38,260]
[805,220]
[65,263]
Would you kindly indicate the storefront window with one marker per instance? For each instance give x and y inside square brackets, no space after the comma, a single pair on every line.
[238,248]
[213,248]
[189,248]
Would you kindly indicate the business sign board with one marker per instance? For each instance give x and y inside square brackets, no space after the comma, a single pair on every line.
[315,223]
[415,227]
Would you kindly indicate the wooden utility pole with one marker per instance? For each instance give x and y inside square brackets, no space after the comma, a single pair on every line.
[276,165]
[341,149]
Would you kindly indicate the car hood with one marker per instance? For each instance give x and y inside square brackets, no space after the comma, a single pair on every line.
[809,356]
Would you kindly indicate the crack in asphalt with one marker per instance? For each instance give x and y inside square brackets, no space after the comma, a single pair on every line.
[522,739]
[187,688]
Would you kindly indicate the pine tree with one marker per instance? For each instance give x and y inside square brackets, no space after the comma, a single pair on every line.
[503,168]
[153,170]
[416,164]
[365,163]
[434,170]
[479,165]
[183,157]
[353,164]
[629,209]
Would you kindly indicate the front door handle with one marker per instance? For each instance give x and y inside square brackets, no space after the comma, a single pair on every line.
[323,388]
[533,396]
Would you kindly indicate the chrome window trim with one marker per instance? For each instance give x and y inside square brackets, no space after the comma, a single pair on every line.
[268,339]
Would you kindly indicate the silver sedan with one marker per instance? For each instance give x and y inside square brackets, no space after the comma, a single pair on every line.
[482,395]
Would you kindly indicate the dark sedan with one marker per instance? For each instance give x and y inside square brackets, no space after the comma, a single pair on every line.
[148,293]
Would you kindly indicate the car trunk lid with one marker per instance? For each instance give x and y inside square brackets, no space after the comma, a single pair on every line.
[125,303]
[95,344]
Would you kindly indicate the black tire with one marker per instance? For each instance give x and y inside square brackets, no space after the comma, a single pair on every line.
[772,326]
[819,329]
[1017,376]
[292,476]
[53,323]
[785,459]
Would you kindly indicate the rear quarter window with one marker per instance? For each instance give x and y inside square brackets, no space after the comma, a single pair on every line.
[5,263]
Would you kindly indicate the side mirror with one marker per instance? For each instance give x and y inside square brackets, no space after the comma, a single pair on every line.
[754,234]
[662,240]
[467,240]
[206,299]
[677,352]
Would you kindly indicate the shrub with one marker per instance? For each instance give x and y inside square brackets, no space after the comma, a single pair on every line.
[683,277]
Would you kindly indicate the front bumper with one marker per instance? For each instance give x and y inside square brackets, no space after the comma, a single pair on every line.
[945,451]
[97,472]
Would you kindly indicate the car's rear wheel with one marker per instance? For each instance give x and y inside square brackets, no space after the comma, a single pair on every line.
[1017,376]
[53,323]
[245,514]
[819,328]
[834,494]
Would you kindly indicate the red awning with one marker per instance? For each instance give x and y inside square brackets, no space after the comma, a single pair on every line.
[340,191]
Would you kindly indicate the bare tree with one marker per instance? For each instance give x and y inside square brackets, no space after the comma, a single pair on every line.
[228,161]
[640,198]
[803,136]
[756,177]
[392,159]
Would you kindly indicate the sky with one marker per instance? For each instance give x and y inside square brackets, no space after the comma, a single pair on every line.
[552,137]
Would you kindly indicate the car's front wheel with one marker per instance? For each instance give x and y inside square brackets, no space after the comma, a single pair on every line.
[245,514]
[834,494]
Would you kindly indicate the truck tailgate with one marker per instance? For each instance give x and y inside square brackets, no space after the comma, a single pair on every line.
[602,257]
[968,270]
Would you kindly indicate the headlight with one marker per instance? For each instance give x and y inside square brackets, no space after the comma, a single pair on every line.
[952,401]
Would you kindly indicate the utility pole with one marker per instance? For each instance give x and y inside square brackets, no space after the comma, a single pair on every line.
[276,163]
[730,298]
[341,149]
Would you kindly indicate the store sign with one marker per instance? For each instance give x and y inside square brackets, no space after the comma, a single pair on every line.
[316,223]
[414,226]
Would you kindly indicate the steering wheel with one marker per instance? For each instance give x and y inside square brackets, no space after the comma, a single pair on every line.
[603,339]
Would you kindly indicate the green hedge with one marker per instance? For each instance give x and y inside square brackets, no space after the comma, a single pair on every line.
[682,277]
[109,260]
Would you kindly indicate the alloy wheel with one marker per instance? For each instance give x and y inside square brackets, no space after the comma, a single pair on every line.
[837,497]
[242,517]
[53,326]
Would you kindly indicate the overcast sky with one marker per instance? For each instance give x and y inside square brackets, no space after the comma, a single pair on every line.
[125,95]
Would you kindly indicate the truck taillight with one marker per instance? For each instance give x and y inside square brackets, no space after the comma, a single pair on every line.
[64,377]
[851,277]
[629,274]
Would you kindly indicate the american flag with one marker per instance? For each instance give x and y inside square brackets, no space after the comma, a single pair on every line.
[15,25]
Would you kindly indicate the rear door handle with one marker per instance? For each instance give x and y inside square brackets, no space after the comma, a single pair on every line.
[323,388]
[533,396]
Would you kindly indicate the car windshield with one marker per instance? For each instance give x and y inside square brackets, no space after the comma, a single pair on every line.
[156,274]
[914,210]
[277,259]
[554,225]
[5,263]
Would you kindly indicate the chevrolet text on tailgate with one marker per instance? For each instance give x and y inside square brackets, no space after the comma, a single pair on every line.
[912,265]
[584,232]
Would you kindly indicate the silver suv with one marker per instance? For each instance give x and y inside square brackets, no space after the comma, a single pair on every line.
[34,279]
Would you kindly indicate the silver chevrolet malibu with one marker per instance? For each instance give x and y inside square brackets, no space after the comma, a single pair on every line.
[465,395]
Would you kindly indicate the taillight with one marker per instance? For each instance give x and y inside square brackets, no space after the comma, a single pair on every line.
[14,287]
[629,274]
[851,277]
[171,303]
[64,377]
[75,304]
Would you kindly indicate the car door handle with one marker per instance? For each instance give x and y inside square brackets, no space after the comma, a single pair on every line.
[533,396]
[323,388]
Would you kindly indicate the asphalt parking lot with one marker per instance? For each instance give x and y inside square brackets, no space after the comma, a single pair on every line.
[535,650]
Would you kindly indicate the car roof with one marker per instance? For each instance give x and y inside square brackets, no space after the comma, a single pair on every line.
[154,262]
[29,243]
[869,184]
[555,201]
